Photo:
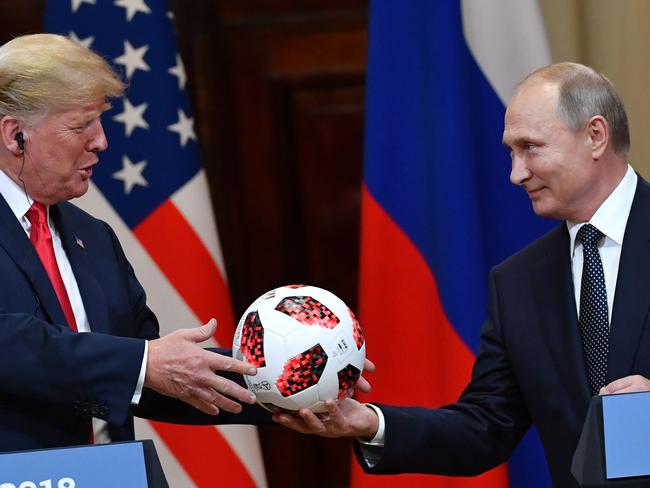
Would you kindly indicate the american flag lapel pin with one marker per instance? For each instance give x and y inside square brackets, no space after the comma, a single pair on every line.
[79,242]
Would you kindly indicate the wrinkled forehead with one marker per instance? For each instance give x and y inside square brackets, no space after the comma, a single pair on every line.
[76,115]
[532,109]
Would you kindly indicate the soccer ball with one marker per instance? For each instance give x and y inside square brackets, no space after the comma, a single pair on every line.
[306,344]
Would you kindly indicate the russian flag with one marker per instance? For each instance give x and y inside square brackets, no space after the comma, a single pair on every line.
[438,210]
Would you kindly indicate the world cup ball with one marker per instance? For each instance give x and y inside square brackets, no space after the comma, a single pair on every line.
[307,345]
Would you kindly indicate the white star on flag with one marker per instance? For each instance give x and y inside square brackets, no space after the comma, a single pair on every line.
[132,7]
[133,58]
[179,72]
[132,117]
[75,4]
[87,42]
[131,174]
[184,127]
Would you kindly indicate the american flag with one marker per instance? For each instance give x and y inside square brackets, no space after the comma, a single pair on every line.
[150,187]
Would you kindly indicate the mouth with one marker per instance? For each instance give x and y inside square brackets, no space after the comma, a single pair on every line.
[532,193]
[87,171]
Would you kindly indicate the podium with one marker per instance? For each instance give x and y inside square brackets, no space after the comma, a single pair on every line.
[614,446]
[125,464]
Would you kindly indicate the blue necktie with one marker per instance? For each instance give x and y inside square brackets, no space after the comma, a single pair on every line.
[594,320]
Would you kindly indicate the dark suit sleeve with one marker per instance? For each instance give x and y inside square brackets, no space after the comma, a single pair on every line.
[470,436]
[81,374]
[51,364]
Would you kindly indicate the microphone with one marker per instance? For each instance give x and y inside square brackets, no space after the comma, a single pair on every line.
[20,139]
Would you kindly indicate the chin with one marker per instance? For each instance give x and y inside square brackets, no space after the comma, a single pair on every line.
[545,210]
[77,192]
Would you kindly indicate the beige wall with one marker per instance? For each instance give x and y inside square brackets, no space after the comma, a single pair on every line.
[613,36]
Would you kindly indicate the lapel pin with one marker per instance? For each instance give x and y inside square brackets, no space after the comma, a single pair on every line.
[79,242]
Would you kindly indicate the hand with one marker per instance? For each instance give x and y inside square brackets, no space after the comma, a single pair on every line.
[628,384]
[179,368]
[344,418]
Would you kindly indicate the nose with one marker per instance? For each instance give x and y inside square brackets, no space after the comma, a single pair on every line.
[519,172]
[98,142]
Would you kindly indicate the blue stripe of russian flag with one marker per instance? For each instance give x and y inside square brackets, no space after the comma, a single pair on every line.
[435,164]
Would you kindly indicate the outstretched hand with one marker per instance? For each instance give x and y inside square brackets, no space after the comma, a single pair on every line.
[178,367]
[344,418]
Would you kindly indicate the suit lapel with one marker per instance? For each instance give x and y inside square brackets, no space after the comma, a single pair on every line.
[15,242]
[631,299]
[74,244]
[557,315]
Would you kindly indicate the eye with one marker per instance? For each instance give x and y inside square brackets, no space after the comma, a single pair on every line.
[82,127]
[529,146]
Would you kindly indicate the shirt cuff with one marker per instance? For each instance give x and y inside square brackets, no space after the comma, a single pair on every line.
[372,450]
[143,370]
[378,440]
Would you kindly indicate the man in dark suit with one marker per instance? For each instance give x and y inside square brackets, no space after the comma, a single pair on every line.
[568,315]
[80,348]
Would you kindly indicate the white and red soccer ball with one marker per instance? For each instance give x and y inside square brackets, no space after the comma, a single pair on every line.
[307,346]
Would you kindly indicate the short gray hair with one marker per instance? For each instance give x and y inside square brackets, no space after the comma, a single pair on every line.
[583,93]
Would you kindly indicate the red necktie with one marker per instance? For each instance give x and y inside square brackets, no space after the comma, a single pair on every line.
[42,240]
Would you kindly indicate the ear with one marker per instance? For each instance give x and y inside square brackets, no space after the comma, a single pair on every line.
[598,132]
[9,127]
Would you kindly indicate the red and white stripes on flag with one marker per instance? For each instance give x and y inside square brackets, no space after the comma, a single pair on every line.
[182,276]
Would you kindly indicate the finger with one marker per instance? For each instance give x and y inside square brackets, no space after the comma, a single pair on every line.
[219,362]
[617,386]
[363,385]
[334,412]
[210,396]
[203,333]
[313,423]
[225,403]
[369,366]
[224,386]
[203,406]
[291,422]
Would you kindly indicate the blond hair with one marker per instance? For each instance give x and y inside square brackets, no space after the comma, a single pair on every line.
[44,73]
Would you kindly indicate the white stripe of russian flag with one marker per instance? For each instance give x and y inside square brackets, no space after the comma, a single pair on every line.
[507,39]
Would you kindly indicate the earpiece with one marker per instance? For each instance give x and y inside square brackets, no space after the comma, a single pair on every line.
[20,139]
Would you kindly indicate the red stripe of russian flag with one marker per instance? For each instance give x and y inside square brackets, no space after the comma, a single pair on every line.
[402,317]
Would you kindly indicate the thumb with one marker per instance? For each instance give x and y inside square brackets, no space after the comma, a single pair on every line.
[204,332]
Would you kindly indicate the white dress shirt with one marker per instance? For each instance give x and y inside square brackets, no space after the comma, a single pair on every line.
[611,219]
[20,203]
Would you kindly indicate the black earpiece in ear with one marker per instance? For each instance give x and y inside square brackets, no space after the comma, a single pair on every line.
[20,139]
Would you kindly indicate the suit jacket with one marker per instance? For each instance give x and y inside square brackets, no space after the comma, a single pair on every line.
[530,367]
[53,380]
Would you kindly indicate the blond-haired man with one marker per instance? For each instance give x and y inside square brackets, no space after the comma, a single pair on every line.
[55,377]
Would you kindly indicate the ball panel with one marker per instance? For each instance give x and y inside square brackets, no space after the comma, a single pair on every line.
[357,332]
[252,340]
[348,378]
[302,371]
[308,311]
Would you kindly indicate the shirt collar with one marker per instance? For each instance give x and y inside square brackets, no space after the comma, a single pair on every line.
[611,217]
[15,196]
